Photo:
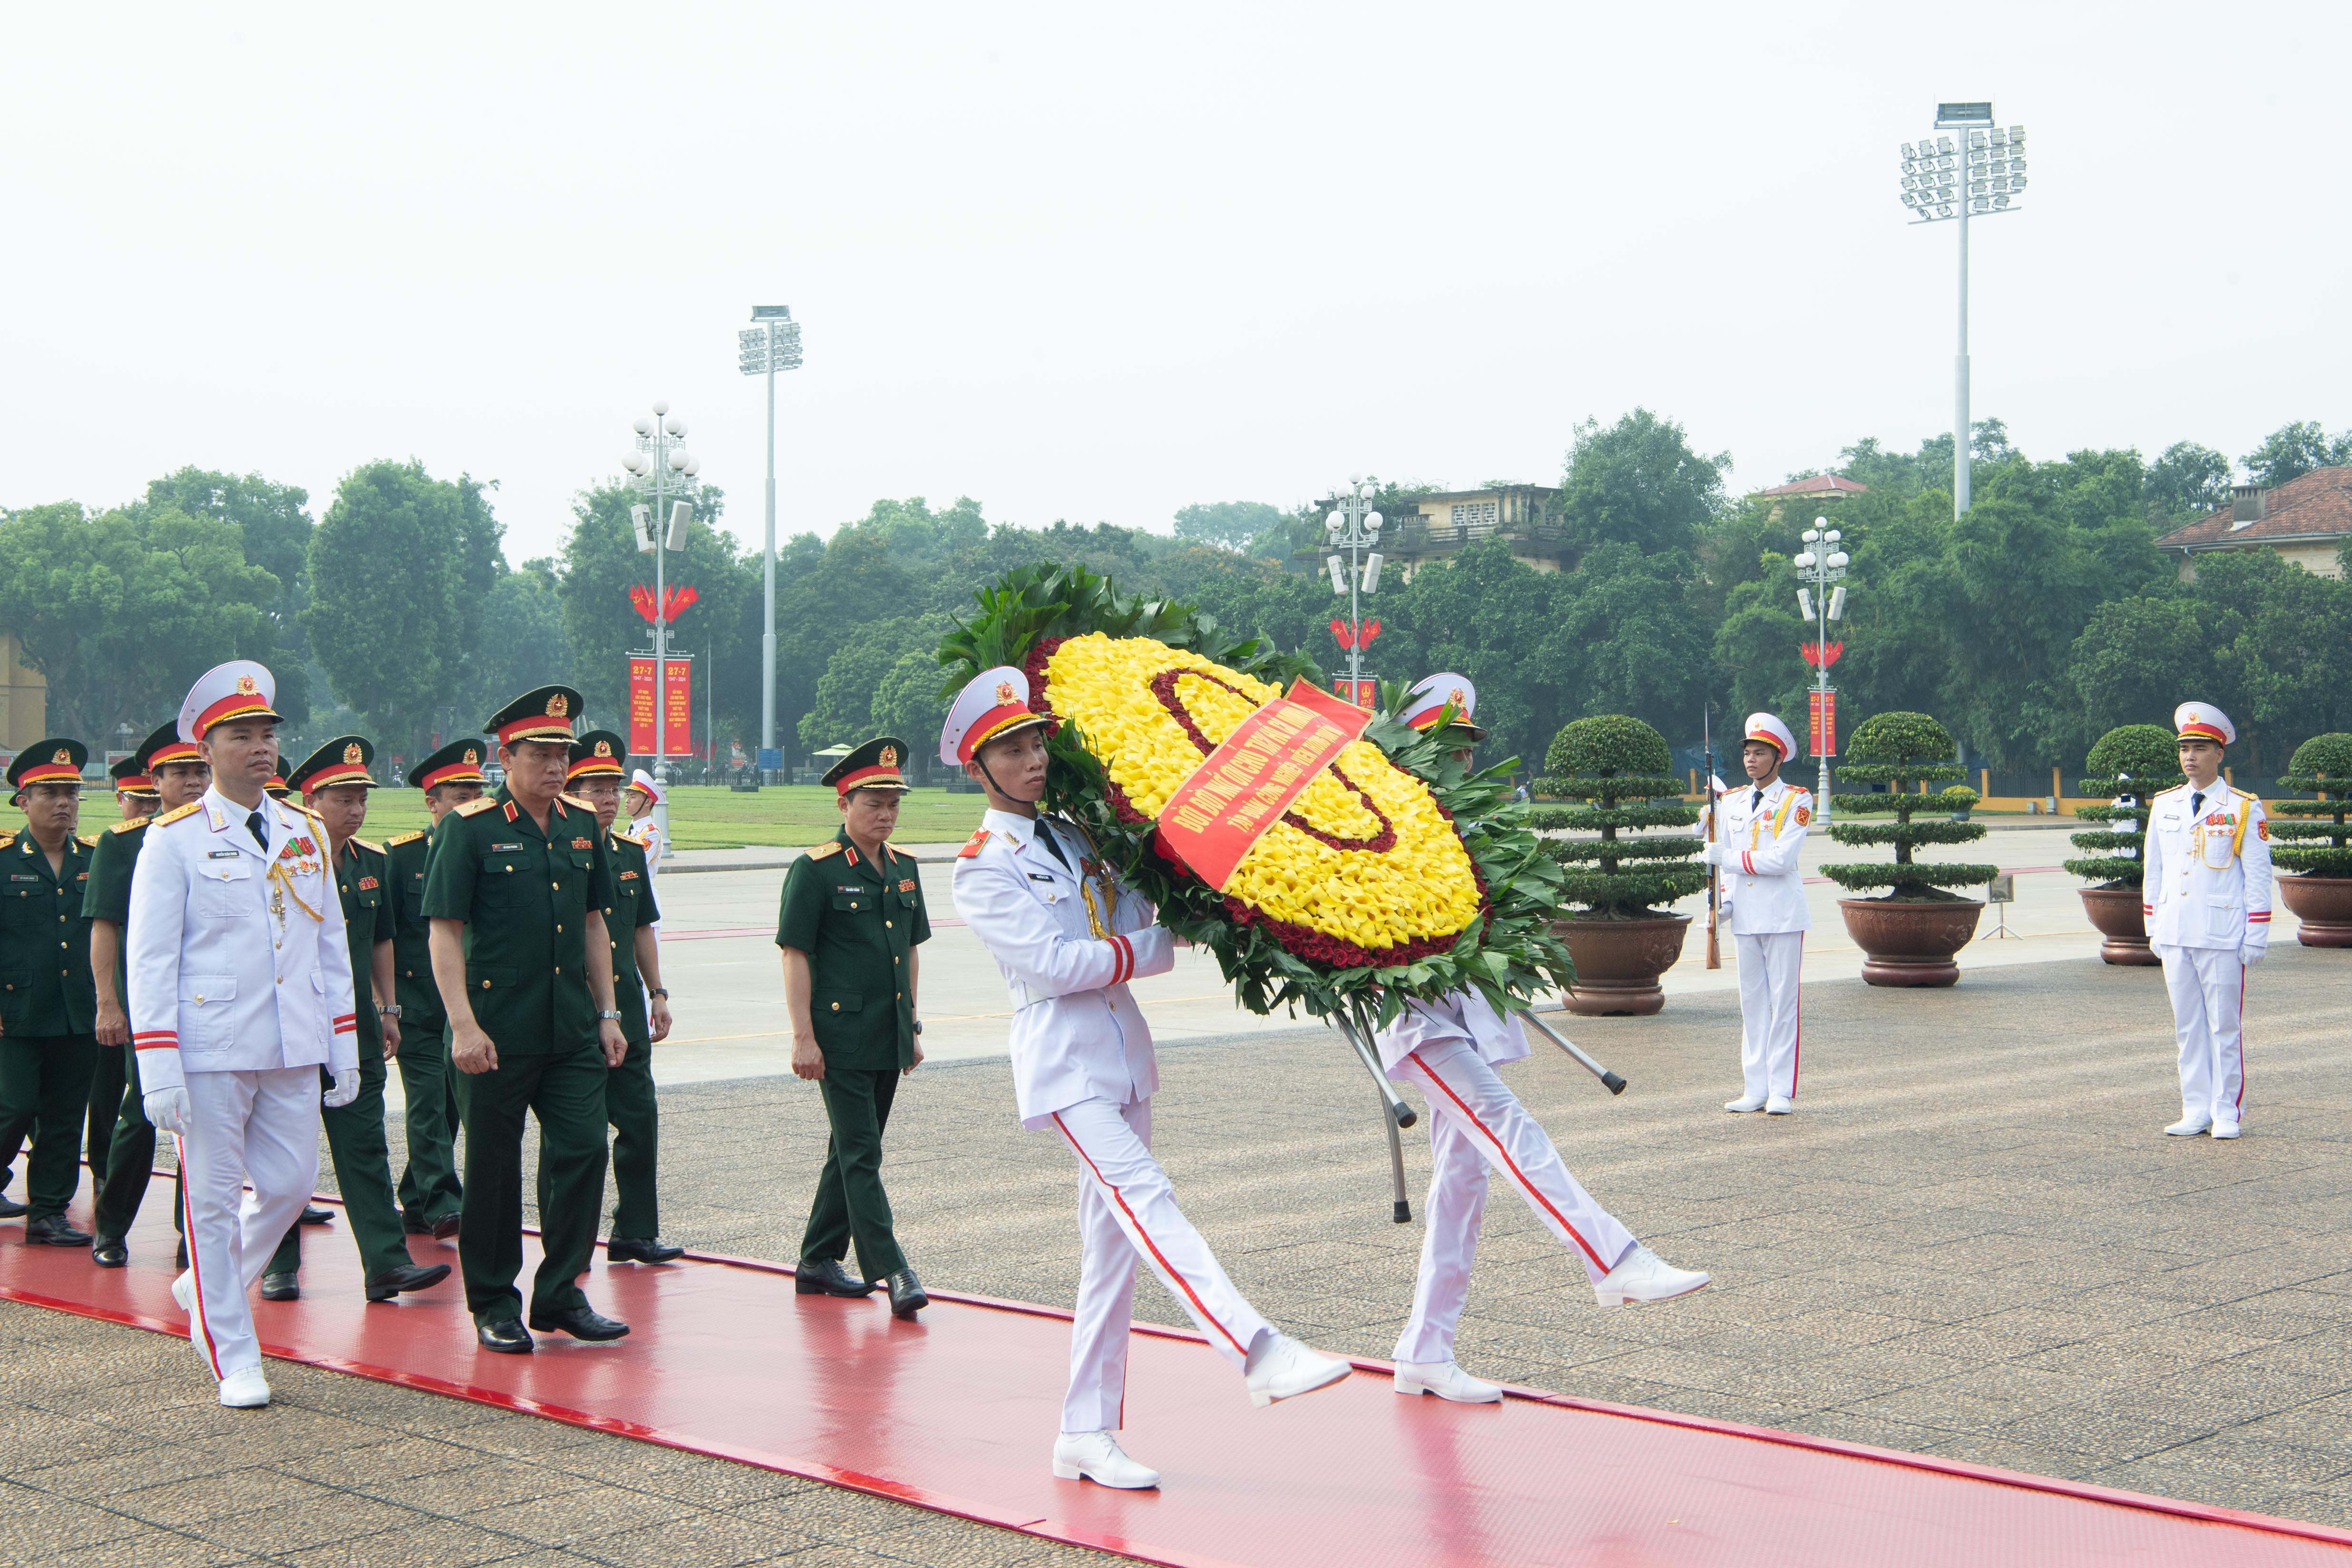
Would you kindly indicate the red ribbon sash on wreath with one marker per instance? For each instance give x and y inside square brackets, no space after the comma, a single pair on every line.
[1242,787]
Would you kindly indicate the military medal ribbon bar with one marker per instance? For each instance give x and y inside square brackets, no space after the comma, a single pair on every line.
[1242,787]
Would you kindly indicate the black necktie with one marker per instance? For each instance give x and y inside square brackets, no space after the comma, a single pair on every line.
[2196,803]
[1756,801]
[1045,836]
[261,832]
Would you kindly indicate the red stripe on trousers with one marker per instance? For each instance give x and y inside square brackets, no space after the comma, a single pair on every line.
[1796,1052]
[198,1331]
[2240,1103]
[1149,1246]
[1516,1174]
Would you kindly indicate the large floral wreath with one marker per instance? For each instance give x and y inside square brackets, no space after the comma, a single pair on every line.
[1396,874]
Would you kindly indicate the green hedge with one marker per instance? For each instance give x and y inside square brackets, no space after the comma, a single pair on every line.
[1619,766]
[1904,752]
[2324,847]
[2144,758]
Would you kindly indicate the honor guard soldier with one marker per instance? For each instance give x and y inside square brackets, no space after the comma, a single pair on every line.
[630,1102]
[49,1011]
[334,783]
[1754,834]
[429,1190]
[122,1157]
[2207,901]
[645,792]
[516,891]
[1449,1050]
[850,927]
[240,990]
[1067,935]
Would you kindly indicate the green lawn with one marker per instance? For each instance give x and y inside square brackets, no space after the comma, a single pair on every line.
[787,815]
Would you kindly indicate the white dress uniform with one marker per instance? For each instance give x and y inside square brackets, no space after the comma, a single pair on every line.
[1449,1050]
[1764,893]
[240,991]
[2207,900]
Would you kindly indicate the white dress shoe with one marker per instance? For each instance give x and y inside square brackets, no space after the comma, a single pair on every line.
[1447,1381]
[2225,1129]
[1778,1105]
[1643,1276]
[183,1291]
[1282,1368]
[1097,1457]
[245,1389]
[2188,1126]
[1744,1103]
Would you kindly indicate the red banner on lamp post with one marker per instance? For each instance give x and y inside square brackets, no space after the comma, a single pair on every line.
[1823,706]
[679,725]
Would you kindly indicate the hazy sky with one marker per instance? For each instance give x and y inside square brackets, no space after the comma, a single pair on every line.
[1096,262]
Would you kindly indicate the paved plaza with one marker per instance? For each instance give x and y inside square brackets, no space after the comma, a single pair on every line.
[1971,1241]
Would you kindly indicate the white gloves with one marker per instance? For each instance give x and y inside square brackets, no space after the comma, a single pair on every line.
[2251,954]
[1712,854]
[346,1090]
[168,1109]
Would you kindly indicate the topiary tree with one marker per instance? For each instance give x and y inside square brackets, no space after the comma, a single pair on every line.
[2323,765]
[1904,752]
[2137,760]
[1621,766]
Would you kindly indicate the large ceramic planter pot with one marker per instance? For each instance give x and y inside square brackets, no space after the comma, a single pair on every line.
[1618,962]
[1910,944]
[2324,905]
[2116,912]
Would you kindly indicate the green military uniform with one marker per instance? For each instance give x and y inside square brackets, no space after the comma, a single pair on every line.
[49,1006]
[430,1192]
[525,896]
[859,922]
[355,1138]
[113,1074]
[630,1104]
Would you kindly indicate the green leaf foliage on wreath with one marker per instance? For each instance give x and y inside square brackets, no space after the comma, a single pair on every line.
[1509,954]
[2138,760]
[2322,847]
[1621,766]
[1904,752]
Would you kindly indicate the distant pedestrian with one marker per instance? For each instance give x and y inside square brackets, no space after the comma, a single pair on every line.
[1755,835]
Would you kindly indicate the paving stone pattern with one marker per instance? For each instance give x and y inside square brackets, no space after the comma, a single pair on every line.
[1972,1240]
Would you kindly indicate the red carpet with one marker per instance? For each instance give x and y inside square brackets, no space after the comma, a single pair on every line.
[957,1412]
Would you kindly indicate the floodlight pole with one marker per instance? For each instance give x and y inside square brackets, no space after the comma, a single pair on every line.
[1960,373]
[773,346]
[1355,528]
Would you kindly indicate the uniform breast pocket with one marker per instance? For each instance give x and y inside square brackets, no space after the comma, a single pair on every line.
[226,890]
[502,884]
[853,903]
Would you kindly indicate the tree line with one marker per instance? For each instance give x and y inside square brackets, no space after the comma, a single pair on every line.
[2031,625]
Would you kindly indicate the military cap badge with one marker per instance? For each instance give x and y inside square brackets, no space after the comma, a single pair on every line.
[558,706]
[351,753]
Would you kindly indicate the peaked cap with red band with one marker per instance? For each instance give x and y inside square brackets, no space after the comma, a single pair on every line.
[873,765]
[2204,721]
[278,788]
[460,761]
[238,690]
[645,784]
[128,778]
[1766,728]
[599,754]
[1430,698]
[164,748]
[53,760]
[543,714]
[341,760]
[992,704]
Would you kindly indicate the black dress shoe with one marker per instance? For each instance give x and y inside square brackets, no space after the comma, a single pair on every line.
[55,1230]
[622,1250]
[827,1276]
[445,1226]
[282,1288]
[10,1208]
[414,1225]
[407,1276]
[906,1296]
[109,1252]
[506,1336]
[582,1322]
[313,1214]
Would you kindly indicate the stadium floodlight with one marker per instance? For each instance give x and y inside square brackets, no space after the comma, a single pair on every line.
[772,344]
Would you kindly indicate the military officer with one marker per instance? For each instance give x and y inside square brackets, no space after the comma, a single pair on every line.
[429,1189]
[526,974]
[1449,1050]
[334,782]
[134,792]
[1755,835]
[2207,900]
[850,929]
[630,1102]
[240,990]
[47,1009]
[1067,935]
[122,1141]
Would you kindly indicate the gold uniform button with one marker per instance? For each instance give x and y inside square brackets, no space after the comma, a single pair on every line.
[885,925]
[485,985]
[836,1006]
[559,925]
[557,885]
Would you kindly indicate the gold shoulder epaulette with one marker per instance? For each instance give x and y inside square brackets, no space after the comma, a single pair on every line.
[130,825]
[368,844]
[87,840]
[574,800]
[476,806]
[829,847]
[174,814]
[409,837]
[7,840]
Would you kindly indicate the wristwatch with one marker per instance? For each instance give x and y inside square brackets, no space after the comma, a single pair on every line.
[616,1016]
[661,993]
[919,1025]
[391,1012]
